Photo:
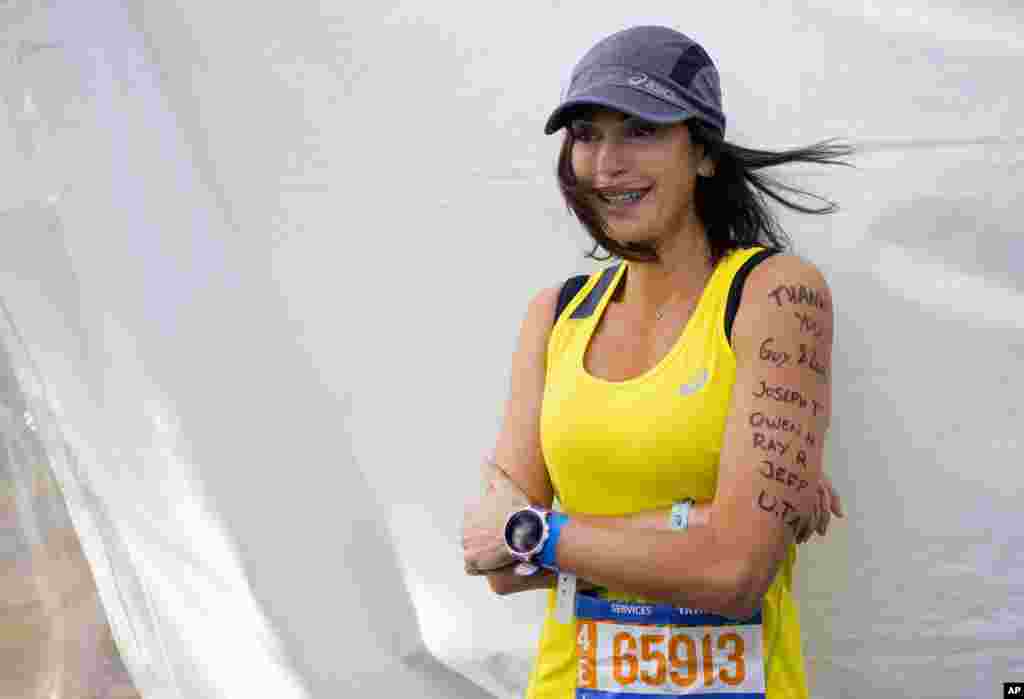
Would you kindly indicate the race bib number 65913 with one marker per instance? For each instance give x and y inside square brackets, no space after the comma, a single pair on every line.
[629,650]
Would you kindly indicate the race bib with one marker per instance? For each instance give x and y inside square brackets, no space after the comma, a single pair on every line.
[628,649]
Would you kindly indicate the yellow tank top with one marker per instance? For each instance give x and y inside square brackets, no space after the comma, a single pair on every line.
[615,448]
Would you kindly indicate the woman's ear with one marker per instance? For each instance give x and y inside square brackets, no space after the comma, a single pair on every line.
[706,168]
[705,165]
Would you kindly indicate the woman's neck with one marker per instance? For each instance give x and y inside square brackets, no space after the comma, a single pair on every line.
[681,273]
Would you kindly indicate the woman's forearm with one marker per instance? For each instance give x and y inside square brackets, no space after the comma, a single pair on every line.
[599,542]
[596,553]
[649,519]
[506,582]
[694,569]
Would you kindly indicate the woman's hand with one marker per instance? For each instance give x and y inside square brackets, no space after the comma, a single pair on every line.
[829,504]
[499,492]
[483,536]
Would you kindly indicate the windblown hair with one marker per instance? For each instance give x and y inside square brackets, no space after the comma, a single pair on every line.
[731,203]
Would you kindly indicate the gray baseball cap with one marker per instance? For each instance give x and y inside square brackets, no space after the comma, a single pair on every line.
[654,73]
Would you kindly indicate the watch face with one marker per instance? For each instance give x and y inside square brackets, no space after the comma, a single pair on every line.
[523,531]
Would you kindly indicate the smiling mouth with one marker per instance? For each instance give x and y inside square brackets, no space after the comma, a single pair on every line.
[622,197]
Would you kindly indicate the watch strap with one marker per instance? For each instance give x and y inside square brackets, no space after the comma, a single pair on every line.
[546,557]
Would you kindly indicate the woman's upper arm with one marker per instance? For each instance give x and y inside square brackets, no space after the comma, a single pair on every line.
[518,450]
[771,454]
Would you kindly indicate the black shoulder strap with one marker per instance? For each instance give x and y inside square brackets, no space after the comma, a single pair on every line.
[570,288]
[736,290]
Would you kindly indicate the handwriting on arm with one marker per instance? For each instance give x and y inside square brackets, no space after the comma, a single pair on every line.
[771,456]
[809,324]
[771,353]
[800,295]
[783,394]
[812,309]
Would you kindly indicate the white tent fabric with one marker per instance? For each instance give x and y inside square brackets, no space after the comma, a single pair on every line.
[264,266]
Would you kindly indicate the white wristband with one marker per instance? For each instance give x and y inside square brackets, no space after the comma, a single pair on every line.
[680,516]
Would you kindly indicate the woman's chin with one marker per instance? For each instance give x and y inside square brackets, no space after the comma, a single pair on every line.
[630,236]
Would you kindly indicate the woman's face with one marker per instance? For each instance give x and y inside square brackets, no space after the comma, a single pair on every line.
[644,173]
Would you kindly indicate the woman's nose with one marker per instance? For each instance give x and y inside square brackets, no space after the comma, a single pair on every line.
[610,159]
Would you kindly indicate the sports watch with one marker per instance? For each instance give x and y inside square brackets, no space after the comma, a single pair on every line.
[526,531]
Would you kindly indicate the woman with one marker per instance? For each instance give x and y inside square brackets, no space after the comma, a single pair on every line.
[697,369]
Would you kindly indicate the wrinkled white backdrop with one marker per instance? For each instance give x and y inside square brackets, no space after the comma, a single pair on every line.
[263,268]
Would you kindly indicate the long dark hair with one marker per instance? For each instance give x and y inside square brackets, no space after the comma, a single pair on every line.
[731,203]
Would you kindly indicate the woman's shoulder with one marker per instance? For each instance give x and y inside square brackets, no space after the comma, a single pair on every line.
[539,319]
[545,299]
[786,277]
[785,285]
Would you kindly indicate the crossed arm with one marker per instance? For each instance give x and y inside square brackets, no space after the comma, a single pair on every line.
[768,492]
[506,496]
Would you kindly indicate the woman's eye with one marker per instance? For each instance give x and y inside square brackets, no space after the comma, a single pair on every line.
[582,132]
[640,131]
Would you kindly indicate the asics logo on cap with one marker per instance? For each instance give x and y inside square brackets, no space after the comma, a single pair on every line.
[642,80]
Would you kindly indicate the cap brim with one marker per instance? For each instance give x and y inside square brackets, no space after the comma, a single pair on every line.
[624,99]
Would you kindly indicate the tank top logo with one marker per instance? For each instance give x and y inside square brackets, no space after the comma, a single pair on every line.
[695,384]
